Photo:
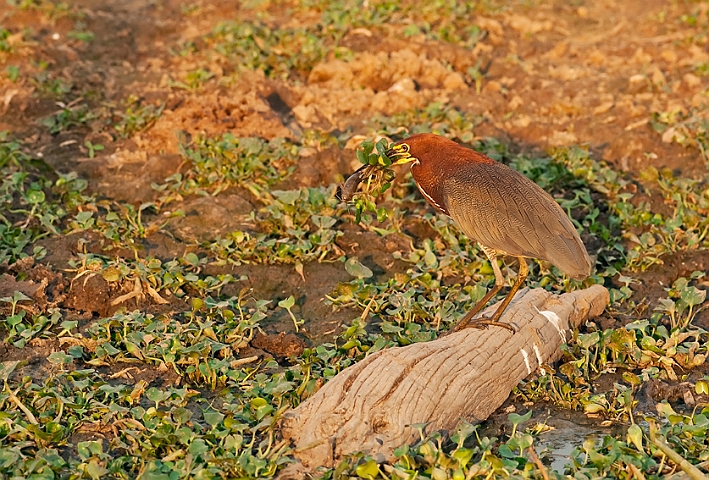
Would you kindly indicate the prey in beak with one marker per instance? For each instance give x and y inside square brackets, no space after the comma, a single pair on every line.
[376,175]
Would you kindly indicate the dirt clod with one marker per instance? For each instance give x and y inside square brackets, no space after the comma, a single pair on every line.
[281,345]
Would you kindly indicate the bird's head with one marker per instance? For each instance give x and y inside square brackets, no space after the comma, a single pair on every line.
[432,158]
[420,148]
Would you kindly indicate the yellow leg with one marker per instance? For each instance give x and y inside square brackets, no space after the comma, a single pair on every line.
[482,322]
[521,277]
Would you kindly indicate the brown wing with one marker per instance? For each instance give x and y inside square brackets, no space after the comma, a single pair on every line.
[504,210]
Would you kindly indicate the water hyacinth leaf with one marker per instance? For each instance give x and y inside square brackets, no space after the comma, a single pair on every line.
[287,303]
[363,151]
[59,358]
[19,296]
[593,408]
[693,296]
[35,196]
[213,417]
[516,419]
[76,351]
[388,327]
[111,274]
[635,436]
[506,451]
[192,259]
[156,395]
[287,197]
[525,441]
[430,258]
[198,447]
[368,470]
[6,369]
[362,156]
[322,221]
[382,147]
[355,268]
[83,217]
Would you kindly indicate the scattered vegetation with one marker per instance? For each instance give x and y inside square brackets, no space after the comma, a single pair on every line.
[33,201]
[95,410]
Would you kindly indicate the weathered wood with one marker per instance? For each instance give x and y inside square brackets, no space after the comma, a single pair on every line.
[467,375]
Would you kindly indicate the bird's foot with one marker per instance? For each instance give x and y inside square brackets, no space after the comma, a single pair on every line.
[481,322]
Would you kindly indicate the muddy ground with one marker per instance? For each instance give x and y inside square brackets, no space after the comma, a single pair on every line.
[549,74]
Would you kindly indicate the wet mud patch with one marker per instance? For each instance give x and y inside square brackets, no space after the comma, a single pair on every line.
[207,218]
[655,391]
[658,278]
[321,321]
[32,358]
[134,170]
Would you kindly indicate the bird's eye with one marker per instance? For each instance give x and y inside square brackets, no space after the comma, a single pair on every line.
[400,149]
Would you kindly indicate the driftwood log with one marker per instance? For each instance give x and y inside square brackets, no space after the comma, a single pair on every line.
[467,375]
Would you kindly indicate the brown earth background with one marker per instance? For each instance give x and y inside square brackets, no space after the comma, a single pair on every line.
[148,102]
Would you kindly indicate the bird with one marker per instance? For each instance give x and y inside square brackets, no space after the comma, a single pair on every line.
[506,213]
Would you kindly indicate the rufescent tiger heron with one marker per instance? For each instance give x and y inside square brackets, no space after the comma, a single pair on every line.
[506,213]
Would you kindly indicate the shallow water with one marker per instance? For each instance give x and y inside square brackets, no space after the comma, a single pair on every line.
[565,437]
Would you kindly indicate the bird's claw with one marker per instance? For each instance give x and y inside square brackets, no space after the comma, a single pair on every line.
[482,323]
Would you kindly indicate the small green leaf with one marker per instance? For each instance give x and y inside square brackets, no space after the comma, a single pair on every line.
[593,408]
[192,259]
[182,414]
[388,327]
[516,419]
[635,436]
[133,349]
[156,395]
[367,146]
[13,72]
[693,296]
[525,441]
[362,157]
[356,269]
[35,196]
[430,258]
[95,470]
[368,470]
[213,417]
[111,274]
[506,451]
[287,197]
[82,217]
[76,351]
[6,368]
[59,358]
[287,302]
[18,296]
[382,147]
[198,447]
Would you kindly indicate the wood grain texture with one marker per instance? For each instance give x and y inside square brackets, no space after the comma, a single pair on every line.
[467,375]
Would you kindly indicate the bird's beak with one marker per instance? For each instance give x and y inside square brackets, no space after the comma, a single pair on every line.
[399,154]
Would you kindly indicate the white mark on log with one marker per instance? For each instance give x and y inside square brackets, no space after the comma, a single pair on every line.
[554,320]
[525,355]
[540,362]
